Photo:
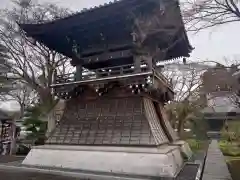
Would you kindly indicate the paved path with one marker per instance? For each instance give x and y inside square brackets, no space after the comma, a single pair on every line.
[8,159]
[215,165]
[20,175]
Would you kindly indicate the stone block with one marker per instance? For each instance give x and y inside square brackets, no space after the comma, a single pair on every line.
[157,162]
[185,149]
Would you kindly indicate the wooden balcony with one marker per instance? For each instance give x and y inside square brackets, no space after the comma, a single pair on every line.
[116,72]
[143,80]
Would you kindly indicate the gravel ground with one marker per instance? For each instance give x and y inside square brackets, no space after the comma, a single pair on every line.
[8,159]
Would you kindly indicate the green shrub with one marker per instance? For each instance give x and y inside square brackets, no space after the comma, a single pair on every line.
[194,144]
[34,125]
[197,145]
[229,148]
[223,143]
[224,135]
[233,132]
[229,136]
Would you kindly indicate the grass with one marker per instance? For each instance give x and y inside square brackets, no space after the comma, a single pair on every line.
[197,145]
[231,150]
[232,158]
[230,143]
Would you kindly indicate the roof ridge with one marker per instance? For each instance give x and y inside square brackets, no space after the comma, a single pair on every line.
[82,11]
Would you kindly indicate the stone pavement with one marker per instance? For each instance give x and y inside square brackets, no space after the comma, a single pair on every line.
[215,164]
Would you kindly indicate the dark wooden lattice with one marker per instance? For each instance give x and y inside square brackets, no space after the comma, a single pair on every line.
[5,132]
[106,121]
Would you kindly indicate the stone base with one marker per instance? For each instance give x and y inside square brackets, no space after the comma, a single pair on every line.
[185,149]
[165,161]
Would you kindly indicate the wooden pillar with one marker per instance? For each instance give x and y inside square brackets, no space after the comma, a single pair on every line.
[137,64]
[149,61]
[55,76]
[79,71]
[2,126]
[13,138]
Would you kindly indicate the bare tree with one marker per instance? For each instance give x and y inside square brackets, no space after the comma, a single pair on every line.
[185,81]
[5,83]
[201,14]
[22,94]
[151,32]
[31,62]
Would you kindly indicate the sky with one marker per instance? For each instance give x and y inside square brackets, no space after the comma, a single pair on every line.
[213,44]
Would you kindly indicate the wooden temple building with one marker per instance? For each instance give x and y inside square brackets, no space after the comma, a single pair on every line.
[114,119]
[220,89]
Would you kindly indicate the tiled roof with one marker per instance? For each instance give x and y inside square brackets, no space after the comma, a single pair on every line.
[100,6]
[84,10]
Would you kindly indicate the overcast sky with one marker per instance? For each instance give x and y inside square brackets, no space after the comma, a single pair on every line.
[213,44]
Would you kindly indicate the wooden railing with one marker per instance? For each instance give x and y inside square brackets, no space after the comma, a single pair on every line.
[100,73]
